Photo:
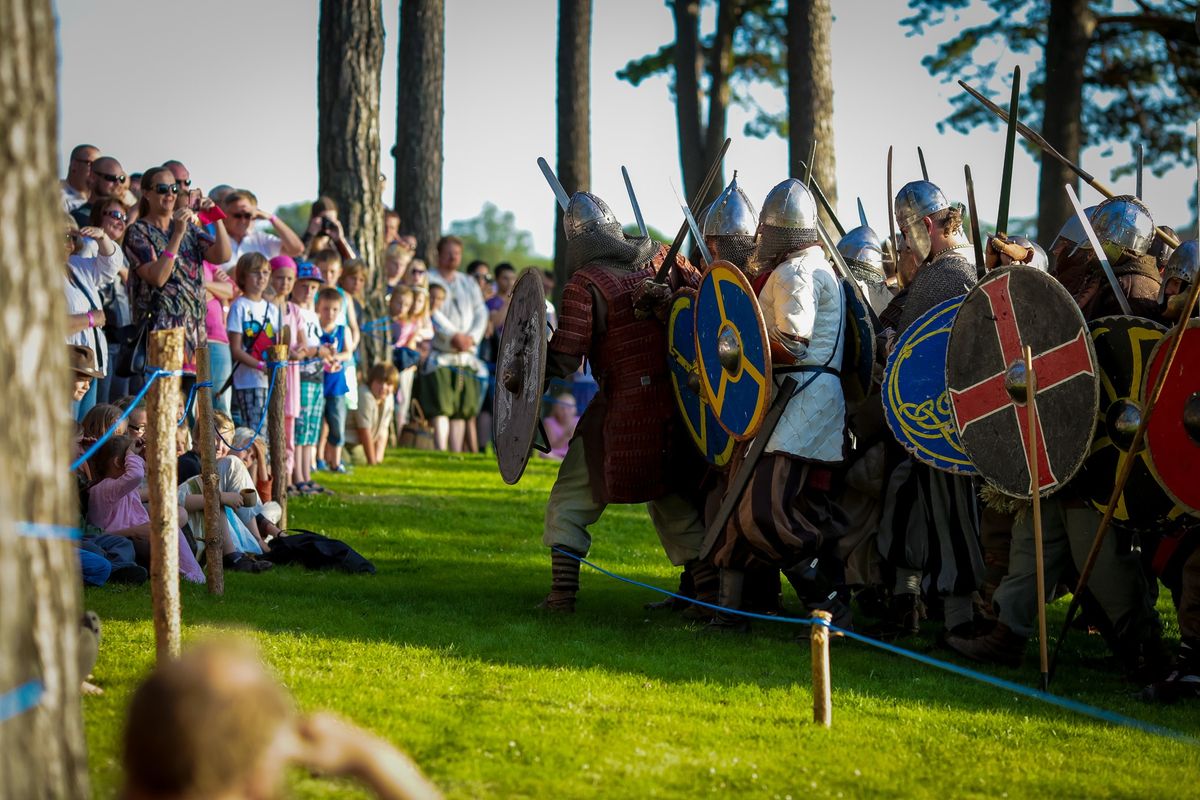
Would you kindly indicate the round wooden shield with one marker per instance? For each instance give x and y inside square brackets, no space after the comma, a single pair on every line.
[985,372]
[915,402]
[858,356]
[732,350]
[713,441]
[520,375]
[1123,346]
[1173,433]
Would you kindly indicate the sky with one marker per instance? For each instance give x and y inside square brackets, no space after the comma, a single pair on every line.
[229,88]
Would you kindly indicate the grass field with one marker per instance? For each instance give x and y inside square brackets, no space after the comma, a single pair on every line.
[443,653]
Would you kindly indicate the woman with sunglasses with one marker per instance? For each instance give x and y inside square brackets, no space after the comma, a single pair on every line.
[166,249]
[111,216]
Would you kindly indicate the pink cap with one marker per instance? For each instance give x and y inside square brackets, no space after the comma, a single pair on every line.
[282,262]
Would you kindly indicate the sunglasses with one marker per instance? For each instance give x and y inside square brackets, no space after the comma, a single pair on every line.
[138,428]
[186,182]
[418,271]
[242,215]
[166,188]
[108,176]
[119,216]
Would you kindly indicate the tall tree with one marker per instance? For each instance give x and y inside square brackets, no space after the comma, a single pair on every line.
[810,93]
[349,60]
[574,117]
[1105,77]
[42,748]
[419,117]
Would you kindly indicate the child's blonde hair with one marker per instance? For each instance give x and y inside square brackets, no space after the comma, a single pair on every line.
[395,306]
[249,262]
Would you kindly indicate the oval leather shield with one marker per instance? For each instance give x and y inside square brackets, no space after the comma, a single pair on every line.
[713,442]
[1173,433]
[732,350]
[520,374]
[858,356]
[915,402]
[1123,346]
[985,372]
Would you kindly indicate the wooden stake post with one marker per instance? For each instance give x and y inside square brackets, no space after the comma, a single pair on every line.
[210,481]
[822,694]
[276,436]
[1036,493]
[162,415]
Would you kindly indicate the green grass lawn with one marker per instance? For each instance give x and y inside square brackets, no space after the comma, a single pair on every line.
[443,653]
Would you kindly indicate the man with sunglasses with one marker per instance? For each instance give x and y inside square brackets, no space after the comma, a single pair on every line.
[107,180]
[76,186]
[242,212]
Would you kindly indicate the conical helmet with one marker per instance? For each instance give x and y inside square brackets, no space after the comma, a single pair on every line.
[1072,229]
[861,246]
[1184,265]
[731,214]
[790,205]
[1125,222]
[915,201]
[586,213]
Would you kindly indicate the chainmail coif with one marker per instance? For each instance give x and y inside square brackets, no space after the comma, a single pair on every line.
[737,250]
[774,243]
[607,245]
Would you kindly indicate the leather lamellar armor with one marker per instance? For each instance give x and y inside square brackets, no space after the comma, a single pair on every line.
[627,427]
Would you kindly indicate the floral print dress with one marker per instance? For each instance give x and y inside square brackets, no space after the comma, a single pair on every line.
[180,302]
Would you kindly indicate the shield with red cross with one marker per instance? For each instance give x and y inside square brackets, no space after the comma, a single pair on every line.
[1007,310]
[1173,432]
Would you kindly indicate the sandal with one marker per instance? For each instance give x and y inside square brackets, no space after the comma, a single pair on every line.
[246,563]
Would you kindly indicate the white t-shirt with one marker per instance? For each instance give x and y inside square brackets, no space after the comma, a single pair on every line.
[255,241]
[311,336]
[252,318]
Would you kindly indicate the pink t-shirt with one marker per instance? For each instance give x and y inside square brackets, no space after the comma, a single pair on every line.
[555,430]
[214,312]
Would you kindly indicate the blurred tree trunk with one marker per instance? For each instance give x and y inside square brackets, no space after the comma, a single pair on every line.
[419,117]
[687,93]
[1069,34]
[720,66]
[42,749]
[574,121]
[810,93]
[349,60]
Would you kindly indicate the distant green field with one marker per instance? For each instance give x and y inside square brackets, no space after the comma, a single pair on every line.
[443,653]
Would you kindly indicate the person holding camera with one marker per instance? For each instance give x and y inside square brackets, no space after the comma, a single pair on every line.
[325,230]
[242,213]
[85,277]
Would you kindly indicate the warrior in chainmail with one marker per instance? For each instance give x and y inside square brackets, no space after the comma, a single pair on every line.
[930,524]
[729,226]
[863,253]
[625,447]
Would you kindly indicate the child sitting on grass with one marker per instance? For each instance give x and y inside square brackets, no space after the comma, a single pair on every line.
[114,502]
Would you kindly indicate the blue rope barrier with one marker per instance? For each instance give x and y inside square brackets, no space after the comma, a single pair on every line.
[275,365]
[19,700]
[47,530]
[150,379]
[191,399]
[1095,712]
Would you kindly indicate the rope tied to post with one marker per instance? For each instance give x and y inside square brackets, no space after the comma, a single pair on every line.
[150,379]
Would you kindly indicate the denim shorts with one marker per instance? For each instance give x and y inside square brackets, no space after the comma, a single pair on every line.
[335,417]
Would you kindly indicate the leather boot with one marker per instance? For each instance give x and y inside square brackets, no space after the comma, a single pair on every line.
[687,588]
[706,580]
[1183,681]
[1001,646]
[564,583]
[729,596]
[818,592]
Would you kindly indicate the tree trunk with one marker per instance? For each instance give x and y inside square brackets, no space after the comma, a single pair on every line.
[574,120]
[720,66]
[349,58]
[1068,34]
[42,749]
[419,115]
[810,93]
[687,93]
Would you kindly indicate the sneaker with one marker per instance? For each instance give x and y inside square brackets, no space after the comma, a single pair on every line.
[341,469]
[243,562]
[321,466]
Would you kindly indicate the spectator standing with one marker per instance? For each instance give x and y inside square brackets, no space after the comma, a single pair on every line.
[107,180]
[560,424]
[336,352]
[166,251]
[330,264]
[283,280]
[83,370]
[85,276]
[76,187]
[325,230]
[218,292]
[448,387]
[391,227]
[396,260]
[410,313]
[417,274]
[111,217]
[253,326]
[242,212]
[312,382]
[367,427]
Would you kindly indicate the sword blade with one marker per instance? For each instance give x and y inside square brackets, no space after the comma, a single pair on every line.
[665,269]
[560,194]
[891,198]
[637,210]
[924,170]
[1091,234]
[1140,163]
[694,228]
[862,214]
[808,170]
[816,190]
[1010,144]
[976,241]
